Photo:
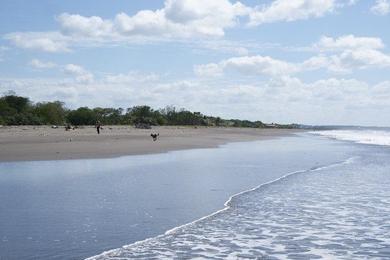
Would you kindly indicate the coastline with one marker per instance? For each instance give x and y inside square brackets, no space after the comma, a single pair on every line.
[226,206]
[36,143]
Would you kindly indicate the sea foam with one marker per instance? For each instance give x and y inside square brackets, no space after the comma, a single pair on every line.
[376,137]
[331,212]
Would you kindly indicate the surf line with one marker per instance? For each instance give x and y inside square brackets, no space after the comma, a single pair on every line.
[227,206]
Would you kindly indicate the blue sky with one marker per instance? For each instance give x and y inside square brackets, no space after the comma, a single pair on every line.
[303,61]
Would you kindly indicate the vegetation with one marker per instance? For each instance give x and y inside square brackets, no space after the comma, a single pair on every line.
[16,110]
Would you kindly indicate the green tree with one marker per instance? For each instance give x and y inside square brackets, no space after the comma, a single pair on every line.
[82,116]
[5,109]
[183,117]
[20,104]
[143,115]
[15,110]
[109,116]
[51,112]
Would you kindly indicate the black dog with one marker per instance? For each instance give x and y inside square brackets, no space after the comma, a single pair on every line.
[154,136]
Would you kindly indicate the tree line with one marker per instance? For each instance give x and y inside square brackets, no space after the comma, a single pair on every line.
[18,110]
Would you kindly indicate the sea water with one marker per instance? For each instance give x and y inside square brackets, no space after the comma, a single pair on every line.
[336,211]
[296,197]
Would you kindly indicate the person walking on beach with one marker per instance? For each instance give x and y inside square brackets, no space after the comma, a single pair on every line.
[98,126]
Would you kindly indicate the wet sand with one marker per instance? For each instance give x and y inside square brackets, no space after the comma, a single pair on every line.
[30,143]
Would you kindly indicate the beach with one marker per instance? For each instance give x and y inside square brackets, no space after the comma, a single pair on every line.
[291,197]
[73,209]
[195,129]
[30,143]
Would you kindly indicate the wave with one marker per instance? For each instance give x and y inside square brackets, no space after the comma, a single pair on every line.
[227,205]
[376,137]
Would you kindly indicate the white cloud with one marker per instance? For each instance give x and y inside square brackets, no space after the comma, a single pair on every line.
[131,77]
[43,41]
[350,52]
[93,26]
[176,20]
[326,101]
[337,55]
[208,70]
[331,63]
[316,62]
[255,65]
[79,72]
[381,7]
[259,65]
[348,42]
[292,10]
[220,45]
[38,64]
[365,58]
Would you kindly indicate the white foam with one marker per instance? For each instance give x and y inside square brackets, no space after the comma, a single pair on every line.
[375,137]
[332,213]
[227,206]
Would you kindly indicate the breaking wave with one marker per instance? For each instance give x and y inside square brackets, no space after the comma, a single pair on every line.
[280,218]
[376,137]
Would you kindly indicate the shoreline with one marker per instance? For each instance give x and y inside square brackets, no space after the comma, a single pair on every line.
[42,143]
[226,206]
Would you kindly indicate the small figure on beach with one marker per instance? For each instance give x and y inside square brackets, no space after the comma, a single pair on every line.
[154,136]
[68,127]
[98,126]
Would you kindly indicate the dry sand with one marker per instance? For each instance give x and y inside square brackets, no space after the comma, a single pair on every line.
[30,143]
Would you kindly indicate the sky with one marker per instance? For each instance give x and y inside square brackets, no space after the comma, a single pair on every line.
[320,62]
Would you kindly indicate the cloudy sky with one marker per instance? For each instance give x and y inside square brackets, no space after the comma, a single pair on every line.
[303,61]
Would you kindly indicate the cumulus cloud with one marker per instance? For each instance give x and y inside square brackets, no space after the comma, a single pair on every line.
[209,70]
[183,18]
[349,52]
[332,63]
[364,58]
[255,65]
[223,46]
[81,74]
[348,42]
[43,41]
[331,100]
[337,55]
[381,7]
[93,26]
[177,19]
[131,77]
[259,65]
[38,64]
[292,10]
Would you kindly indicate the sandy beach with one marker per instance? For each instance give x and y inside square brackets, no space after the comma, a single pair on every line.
[30,143]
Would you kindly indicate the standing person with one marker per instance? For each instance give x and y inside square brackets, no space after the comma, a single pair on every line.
[98,126]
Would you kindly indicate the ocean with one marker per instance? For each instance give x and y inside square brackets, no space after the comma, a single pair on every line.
[315,195]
